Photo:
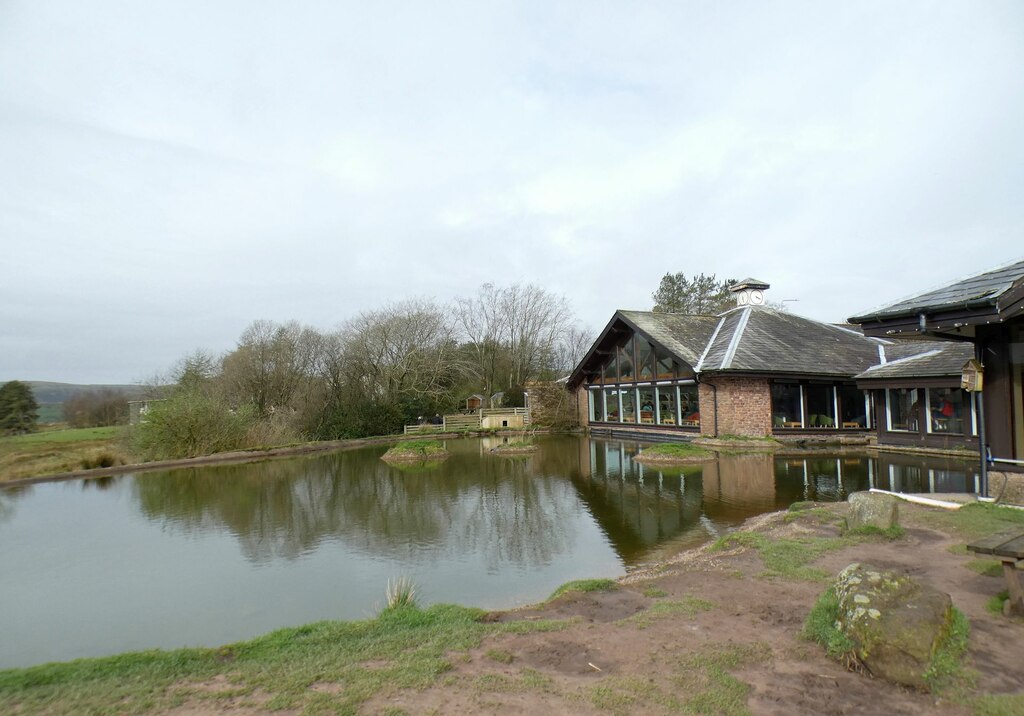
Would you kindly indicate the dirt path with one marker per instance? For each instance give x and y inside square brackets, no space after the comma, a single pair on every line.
[740,626]
[707,632]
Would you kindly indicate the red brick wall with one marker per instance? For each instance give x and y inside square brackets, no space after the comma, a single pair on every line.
[583,406]
[744,406]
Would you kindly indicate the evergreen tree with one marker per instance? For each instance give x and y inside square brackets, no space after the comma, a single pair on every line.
[701,295]
[18,408]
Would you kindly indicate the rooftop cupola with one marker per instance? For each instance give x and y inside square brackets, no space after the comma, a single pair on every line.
[749,292]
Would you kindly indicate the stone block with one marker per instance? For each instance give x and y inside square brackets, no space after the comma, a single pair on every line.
[895,622]
[871,509]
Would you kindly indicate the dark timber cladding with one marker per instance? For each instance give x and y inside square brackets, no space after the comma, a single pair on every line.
[988,311]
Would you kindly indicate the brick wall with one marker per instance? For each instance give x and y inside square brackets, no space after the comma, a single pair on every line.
[744,406]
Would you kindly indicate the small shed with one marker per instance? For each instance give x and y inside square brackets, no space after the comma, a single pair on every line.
[474,402]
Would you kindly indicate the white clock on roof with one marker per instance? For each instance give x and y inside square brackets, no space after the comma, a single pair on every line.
[749,292]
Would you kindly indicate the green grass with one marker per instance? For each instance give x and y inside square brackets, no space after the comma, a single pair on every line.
[500,655]
[688,607]
[946,672]
[405,647]
[749,439]
[700,684]
[416,450]
[986,567]
[995,604]
[585,585]
[820,627]
[999,705]
[47,452]
[676,451]
[974,520]
[889,533]
[654,592]
[787,558]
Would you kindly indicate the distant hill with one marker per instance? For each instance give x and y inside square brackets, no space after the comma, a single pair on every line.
[46,392]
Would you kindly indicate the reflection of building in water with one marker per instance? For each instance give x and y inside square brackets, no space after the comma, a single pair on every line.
[638,507]
[903,473]
[746,480]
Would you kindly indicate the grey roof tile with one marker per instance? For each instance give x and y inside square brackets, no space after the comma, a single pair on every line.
[682,334]
[928,360]
[982,289]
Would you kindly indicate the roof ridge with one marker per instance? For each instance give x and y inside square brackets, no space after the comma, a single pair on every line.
[898,361]
[737,334]
[711,341]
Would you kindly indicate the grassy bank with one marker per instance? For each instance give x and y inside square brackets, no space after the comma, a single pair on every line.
[344,663]
[53,451]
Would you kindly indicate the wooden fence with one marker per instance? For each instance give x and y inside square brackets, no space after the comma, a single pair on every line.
[472,421]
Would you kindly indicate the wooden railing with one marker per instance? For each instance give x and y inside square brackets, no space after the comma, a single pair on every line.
[467,421]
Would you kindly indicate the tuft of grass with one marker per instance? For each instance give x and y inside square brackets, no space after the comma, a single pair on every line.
[401,593]
[999,705]
[687,607]
[654,592]
[709,686]
[995,604]
[890,533]
[585,585]
[820,627]
[946,671]
[787,558]
[986,567]
[416,450]
[502,656]
[682,451]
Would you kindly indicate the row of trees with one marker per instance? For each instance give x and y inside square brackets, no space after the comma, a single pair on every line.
[377,371]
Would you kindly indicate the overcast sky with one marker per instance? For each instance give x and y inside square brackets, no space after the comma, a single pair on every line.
[172,171]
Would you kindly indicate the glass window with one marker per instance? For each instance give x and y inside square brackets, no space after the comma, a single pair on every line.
[665,365]
[628,405]
[667,405]
[647,406]
[853,407]
[904,407]
[610,373]
[949,411]
[786,411]
[821,406]
[611,403]
[644,360]
[626,361]
[689,406]
[596,406]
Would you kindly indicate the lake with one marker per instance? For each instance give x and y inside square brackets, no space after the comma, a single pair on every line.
[212,555]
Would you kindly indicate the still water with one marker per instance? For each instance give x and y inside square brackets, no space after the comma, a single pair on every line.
[211,555]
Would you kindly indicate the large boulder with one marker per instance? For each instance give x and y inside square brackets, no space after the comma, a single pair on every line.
[872,509]
[894,622]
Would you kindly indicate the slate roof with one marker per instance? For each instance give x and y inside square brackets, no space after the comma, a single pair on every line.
[984,290]
[757,339]
[682,334]
[930,360]
[762,340]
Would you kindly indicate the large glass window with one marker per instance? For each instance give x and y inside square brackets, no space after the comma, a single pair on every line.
[786,411]
[949,411]
[667,405]
[596,406]
[689,406]
[626,361]
[611,402]
[628,405]
[647,406]
[904,407]
[853,406]
[665,365]
[610,372]
[820,411]
[644,360]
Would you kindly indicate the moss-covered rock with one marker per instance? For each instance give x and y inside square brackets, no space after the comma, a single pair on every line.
[871,509]
[895,623]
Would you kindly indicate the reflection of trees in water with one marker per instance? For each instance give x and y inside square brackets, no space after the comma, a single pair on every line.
[10,495]
[285,508]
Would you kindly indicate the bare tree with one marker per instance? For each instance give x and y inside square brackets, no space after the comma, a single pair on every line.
[270,364]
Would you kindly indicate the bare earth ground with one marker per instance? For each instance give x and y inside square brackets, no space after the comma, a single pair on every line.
[725,628]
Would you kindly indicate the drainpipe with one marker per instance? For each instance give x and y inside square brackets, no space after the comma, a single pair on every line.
[979,407]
